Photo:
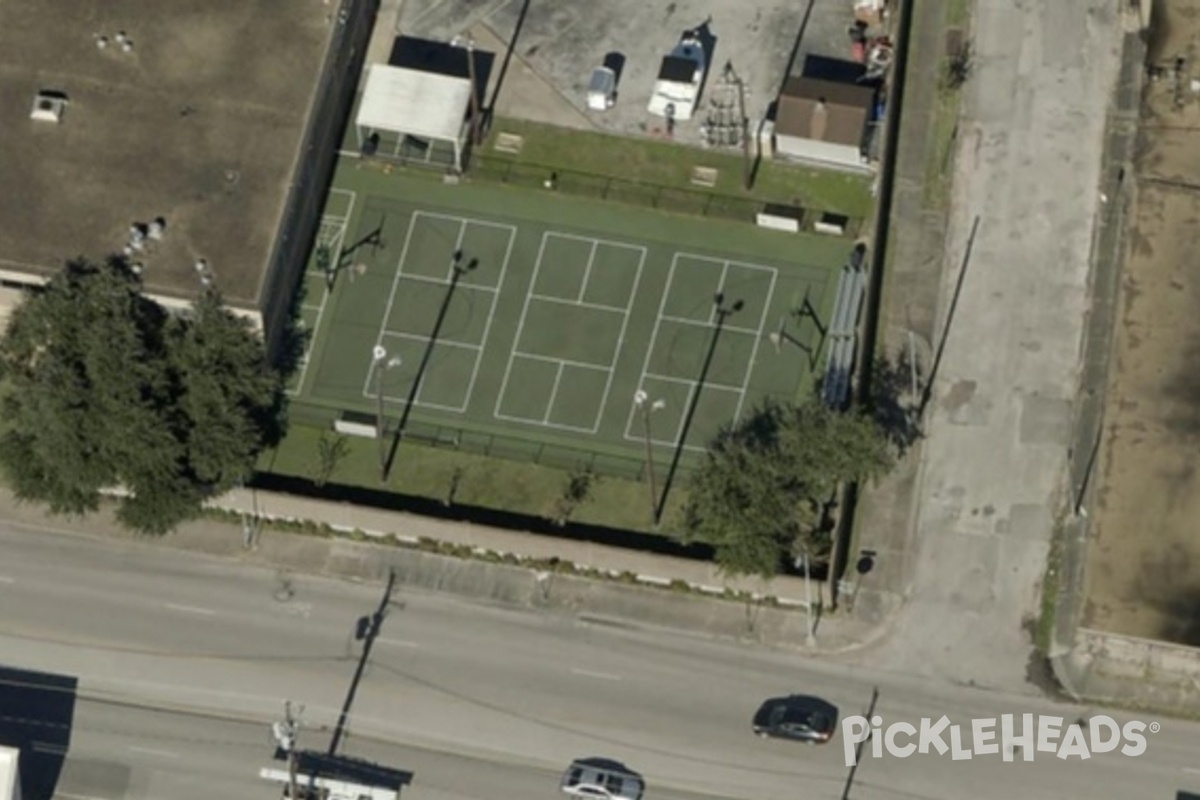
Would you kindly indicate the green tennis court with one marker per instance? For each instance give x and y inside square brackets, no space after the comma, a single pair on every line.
[487,313]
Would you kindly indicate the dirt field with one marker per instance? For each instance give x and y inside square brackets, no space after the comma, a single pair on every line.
[1144,562]
[199,123]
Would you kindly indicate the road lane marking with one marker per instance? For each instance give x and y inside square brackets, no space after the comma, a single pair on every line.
[1192,770]
[191,610]
[399,643]
[6,579]
[150,751]
[604,676]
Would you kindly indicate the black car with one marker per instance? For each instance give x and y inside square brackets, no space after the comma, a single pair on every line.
[801,718]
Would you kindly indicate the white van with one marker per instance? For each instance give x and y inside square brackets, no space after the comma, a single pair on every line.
[602,89]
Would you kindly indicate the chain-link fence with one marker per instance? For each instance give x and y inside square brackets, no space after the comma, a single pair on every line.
[696,202]
[515,448]
[497,445]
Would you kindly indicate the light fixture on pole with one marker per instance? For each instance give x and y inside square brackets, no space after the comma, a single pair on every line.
[381,363]
[803,560]
[641,400]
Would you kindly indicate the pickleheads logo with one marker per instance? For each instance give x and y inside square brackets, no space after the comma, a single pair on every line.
[1005,736]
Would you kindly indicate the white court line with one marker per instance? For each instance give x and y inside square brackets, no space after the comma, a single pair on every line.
[399,643]
[6,579]
[553,394]
[587,673]
[762,321]
[206,612]
[408,276]
[419,338]
[569,362]
[725,329]
[609,369]
[587,272]
[150,751]
[387,312]
[487,326]
[580,304]
[612,367]
[340,238]
[690,382]
[662,305]
[494,291]
[757,334]
[516,348]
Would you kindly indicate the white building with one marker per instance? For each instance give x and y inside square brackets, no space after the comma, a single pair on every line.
[10,785]
[824,123]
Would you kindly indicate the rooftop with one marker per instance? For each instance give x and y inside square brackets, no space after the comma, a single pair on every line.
[197,121]
[824,110]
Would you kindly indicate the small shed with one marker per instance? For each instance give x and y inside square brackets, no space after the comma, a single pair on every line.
[824,121]
[412,104]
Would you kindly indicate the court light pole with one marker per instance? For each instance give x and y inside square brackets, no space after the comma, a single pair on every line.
[641,400]
[381,364]
[811,637]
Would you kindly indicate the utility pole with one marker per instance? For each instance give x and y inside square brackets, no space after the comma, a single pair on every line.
[640,399]
[859,750]
[469,44]
[368,629]
[811,638]
[378,356]
[285,736]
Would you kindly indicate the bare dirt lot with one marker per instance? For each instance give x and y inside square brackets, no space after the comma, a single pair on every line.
[199,122]
[1144,562]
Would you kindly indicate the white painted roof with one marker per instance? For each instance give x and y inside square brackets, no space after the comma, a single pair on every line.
[426,105]
[10,789]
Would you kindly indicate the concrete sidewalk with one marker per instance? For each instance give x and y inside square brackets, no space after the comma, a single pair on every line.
[412,528]
[649,603]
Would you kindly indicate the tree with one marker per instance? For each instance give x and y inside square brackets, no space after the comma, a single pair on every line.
[757,498]
[108,390]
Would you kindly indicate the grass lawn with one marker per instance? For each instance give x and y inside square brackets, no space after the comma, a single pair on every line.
[939,159]
[487,482]
[662,163]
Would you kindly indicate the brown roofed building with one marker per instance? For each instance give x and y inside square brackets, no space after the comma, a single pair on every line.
[823,121]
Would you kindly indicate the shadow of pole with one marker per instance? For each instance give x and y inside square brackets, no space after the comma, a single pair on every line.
[795,54]
[723,312]
[457,271]
[927,392]
[490,111]
[374,239]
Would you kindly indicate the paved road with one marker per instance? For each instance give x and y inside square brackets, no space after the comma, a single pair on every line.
[489,685]
[120,750]
[1031,139]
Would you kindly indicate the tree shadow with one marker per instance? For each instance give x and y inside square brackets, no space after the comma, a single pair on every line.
[1183,387]
[893,403]
[1167,581]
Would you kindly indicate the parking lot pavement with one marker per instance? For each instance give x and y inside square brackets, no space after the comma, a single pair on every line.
[559,44]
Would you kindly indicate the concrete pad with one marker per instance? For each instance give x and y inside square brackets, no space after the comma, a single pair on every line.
[1031,142]
[558,45]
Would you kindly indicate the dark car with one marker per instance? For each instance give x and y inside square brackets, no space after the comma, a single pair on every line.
[801,718]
